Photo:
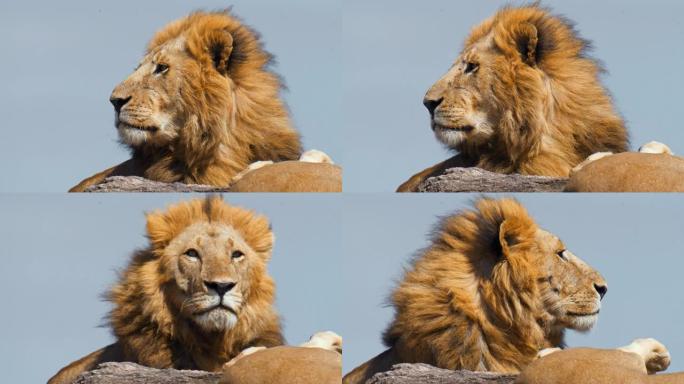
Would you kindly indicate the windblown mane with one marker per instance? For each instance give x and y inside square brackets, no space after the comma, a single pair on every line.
[258,125]
[459,308]
[148,326]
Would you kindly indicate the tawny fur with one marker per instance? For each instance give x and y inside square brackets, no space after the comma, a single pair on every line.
[531,95]
[147,318]
[588,365]
[490,292]
[219,94]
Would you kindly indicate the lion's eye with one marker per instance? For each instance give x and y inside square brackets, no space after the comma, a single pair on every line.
[561,254]
[237,254]
[470,67]
[192,253]
[160,68]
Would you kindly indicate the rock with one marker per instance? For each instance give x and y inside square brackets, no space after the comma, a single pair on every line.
[479,180]
[141,184]
[427,374]
[131,373]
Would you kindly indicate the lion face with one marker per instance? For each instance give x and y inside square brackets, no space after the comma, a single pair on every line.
[571,289]
[146,109]
[211,265]
[460,104]
[181,89]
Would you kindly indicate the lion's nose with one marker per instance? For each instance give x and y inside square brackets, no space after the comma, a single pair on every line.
[601,289]
[432,104]
[220,287]
[119,102]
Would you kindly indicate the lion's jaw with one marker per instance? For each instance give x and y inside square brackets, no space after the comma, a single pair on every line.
[216,261]
[458,120]
[152,115]
[572,290]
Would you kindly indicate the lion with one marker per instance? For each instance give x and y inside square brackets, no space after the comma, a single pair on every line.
[201,106]
[634,364]
[197,296]
[490,292]
[313,172]
[318,361]
[522,97]
[653,169]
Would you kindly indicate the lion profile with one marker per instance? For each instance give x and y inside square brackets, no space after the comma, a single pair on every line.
[490,292]
[197,296]
[522,97]
[201,106]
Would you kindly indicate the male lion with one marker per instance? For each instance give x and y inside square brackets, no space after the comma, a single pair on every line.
[196,296]
[491,291]
[523,97]
[201,106]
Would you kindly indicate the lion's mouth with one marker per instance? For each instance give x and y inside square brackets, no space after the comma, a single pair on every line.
[219,307]
[454,128]
[577,314]
[124,125]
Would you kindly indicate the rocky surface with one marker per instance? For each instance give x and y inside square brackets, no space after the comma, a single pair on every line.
[427,374]
[479,180]
[130,373]
[141,184]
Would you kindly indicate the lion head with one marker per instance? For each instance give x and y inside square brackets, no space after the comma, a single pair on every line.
[200,290]
[203,96]
[490,292]
[524,97]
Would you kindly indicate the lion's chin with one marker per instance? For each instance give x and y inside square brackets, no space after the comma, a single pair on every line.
[134,136]
[451,137]
[581,322]
[216,319]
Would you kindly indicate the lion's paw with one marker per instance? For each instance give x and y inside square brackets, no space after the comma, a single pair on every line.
[655,355]
[655,147]
[245,352]
[327,340]
[315,156]
[546,352]
[593,157]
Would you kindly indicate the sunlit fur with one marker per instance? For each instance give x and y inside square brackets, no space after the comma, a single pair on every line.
[490,291]
[524,97]
[203,105]
[164,315]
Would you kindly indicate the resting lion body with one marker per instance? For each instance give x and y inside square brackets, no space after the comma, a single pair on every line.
[636,363]
[196,297]
[523,97]
[201,106]
[490,292]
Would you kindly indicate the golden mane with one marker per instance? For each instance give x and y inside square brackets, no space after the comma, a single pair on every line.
[502,312]
[523,97]
[490,291]
[218,92]
[149,329]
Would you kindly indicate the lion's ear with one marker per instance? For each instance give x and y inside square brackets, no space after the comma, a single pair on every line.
[509,235]
[218,45]
[527,41]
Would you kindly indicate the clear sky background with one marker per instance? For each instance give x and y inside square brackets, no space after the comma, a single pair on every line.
[635,241]
[61,60]
[394,50]
[60,253]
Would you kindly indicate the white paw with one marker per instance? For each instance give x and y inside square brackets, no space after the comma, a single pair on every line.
[245,352]
[327,340]
[591,158]
[546,352]
[655,355]
[315,156]
[655,147]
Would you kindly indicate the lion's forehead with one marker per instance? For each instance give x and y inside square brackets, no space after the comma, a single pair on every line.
[206,234]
